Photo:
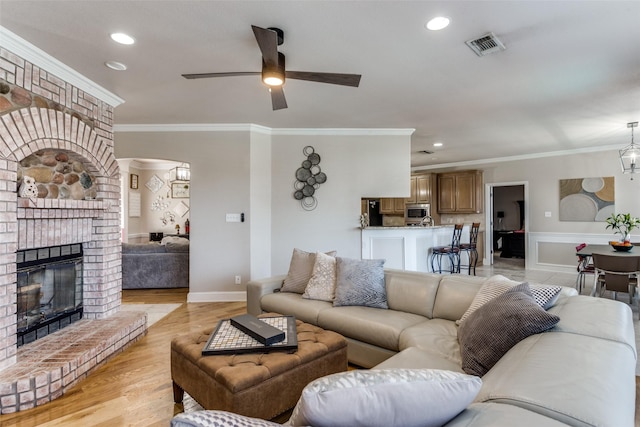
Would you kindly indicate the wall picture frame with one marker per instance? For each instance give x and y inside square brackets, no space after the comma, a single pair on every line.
[180,190]
[133,181]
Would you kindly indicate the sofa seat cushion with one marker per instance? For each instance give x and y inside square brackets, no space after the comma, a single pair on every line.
[438,336]
[571,378]
[419,358]
[293,304]
[381,327]
[486,414]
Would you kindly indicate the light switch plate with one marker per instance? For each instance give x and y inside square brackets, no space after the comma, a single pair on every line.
[233,217]
[547,214]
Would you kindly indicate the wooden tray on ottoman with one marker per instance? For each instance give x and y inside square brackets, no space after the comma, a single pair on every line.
[256,384]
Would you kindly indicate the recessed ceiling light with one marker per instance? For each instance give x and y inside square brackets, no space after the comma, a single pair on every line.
[122,38]
[438,23]
[437,144]
[118,66]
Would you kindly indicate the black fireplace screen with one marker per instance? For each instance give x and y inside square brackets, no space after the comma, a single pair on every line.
[49,290]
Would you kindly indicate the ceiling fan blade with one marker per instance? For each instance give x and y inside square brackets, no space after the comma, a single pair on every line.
[278,100]
[230,74]
[268,43]
[332,78]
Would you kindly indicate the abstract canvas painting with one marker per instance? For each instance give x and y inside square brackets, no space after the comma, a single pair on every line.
[587,199]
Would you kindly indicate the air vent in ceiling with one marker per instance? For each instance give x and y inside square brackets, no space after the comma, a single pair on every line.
[486,44]
[425,152]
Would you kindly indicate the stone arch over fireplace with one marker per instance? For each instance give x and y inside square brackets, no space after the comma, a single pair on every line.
[27,223]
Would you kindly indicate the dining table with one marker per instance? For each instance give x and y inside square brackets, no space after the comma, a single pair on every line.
[585,253]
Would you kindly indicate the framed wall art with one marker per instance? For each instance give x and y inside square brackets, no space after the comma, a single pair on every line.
[180,190]
[587,199]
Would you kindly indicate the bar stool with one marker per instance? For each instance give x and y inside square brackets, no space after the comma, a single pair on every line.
[452,251]
[471,248]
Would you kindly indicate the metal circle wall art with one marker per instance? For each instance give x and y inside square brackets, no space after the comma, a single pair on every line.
[308,179]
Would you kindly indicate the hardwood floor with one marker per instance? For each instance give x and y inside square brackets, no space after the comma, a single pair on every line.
[134,388]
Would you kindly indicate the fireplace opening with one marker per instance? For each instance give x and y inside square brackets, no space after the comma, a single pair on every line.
[49,290]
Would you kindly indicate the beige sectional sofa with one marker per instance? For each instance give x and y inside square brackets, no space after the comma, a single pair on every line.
[579,373]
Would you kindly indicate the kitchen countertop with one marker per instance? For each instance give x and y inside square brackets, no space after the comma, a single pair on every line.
[408,227]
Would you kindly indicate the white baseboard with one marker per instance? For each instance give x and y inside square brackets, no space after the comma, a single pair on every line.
[216,296]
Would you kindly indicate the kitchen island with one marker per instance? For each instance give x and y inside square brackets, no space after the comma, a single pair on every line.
[408,248]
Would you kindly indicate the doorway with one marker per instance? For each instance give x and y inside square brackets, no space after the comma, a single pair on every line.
[507,216]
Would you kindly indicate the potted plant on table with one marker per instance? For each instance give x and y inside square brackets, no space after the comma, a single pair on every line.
[623,224]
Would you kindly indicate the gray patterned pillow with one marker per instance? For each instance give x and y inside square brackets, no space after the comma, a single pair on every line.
[300,270]
[490,331]
[217,419]
[360,282]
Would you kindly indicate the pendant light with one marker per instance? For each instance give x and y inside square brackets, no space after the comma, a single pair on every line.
[630,155]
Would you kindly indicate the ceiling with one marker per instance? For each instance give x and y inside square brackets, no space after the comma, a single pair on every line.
[569,79]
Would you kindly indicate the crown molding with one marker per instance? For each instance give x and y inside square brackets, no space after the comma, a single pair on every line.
[192,127]
[40,58]
[249,127]
[343,131]
[511,158]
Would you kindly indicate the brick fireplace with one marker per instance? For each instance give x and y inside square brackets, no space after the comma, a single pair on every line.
[40,112]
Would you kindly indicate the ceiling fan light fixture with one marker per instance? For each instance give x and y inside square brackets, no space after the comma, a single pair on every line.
[273,75]
[630,155]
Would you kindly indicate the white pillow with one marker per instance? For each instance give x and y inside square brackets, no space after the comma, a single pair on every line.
[322,284]
[174,239]
[545,295]
[385,398]
[300,270]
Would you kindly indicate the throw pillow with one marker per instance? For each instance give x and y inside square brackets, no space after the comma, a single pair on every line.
[490,331]
[322,285]
[217,419]
[545,295]
[300,270]
[360,282]
[385,397]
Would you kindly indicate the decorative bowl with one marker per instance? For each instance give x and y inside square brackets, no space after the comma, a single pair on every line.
[622,248]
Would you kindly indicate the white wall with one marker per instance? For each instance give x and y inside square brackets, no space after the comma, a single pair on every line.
[220,182]
[356,166]
[252,172]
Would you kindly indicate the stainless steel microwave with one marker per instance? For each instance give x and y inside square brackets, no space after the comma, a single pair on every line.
[414,213]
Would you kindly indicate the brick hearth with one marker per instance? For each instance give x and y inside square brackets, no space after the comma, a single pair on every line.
[40,113]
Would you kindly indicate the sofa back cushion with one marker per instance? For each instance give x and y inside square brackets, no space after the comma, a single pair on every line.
[455,294]
[142,248]
[411,292]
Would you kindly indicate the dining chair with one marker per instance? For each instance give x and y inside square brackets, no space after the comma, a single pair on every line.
[616,274]
[585,266]
[452,252]
[471,248]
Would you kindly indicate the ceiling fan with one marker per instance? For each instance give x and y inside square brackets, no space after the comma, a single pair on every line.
[273,69]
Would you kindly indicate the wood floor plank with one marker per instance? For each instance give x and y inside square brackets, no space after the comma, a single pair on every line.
[133,388]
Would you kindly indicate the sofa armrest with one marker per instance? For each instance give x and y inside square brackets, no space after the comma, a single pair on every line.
[256,289]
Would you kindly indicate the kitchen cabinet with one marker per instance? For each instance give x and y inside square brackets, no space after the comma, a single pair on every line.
[460,192]
[392,206]
[420,189]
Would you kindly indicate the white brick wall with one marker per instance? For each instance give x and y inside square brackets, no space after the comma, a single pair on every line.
[30,223]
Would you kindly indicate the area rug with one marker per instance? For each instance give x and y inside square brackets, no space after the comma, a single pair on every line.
[155,312]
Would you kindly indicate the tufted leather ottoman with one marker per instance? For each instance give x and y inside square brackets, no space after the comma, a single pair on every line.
[255,385]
